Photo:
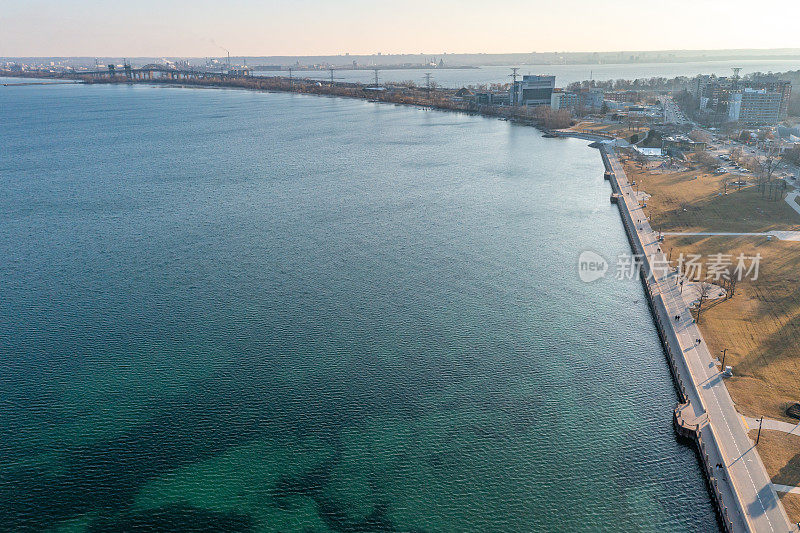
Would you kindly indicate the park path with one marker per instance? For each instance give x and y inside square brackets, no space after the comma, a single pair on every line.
[780,235]
[774,425]
[750,502]
[790,200]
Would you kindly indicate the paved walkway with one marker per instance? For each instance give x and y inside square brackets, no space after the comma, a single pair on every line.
[790,200]
[751,501]
[773,425]
[780,235]
[786,488]
[776,425]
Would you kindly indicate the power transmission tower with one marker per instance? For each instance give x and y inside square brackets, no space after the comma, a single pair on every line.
[513,76]
[290,77]
[428,84]
[331,69]
[377,84]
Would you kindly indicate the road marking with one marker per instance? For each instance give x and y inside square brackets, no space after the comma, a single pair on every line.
[670,296]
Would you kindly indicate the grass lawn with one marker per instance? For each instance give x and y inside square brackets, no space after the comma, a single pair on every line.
[760,325]
[781,455]
[618,130]
[694,200]
[791,502]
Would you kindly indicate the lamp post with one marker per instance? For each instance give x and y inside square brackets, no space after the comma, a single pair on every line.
[758,437]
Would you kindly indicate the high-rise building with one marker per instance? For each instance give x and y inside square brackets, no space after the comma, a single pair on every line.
[533,90]
[756,101]
[754,107]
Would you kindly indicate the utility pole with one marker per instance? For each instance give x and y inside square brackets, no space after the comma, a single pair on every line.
[428,84]
[758,438]
[290,77]
[513,75]
[724,353]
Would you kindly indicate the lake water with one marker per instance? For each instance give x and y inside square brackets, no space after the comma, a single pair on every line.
[240,311]
[565,74]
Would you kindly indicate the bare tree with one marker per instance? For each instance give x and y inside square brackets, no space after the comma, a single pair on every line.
[725,182]
[731,289]
[736,155]
[700,136]
[640,159]
[770,164]
[706,161]
[704,289]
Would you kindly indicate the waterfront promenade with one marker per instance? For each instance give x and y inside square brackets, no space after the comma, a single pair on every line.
[739,481]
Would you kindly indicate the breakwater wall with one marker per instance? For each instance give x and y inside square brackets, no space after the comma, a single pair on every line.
[689,416]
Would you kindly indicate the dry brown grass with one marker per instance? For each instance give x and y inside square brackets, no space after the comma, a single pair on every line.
[622,131]
[760,325]
[781,455]
[791,502]
[695,200]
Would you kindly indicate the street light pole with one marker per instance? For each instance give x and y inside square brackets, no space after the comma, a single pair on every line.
[758,438]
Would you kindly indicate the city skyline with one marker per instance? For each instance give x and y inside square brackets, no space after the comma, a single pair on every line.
[315,27]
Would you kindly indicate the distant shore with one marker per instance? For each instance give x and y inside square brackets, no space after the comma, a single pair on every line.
[394,93]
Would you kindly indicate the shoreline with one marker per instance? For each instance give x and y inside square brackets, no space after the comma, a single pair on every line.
[690,417]
[434,98]
[736,477]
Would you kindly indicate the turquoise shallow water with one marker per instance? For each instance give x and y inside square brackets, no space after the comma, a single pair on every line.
[234,311]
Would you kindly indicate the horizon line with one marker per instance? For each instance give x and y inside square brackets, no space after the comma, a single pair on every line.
[391,54]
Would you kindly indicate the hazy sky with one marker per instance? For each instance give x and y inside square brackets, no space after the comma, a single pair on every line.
[316,27]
